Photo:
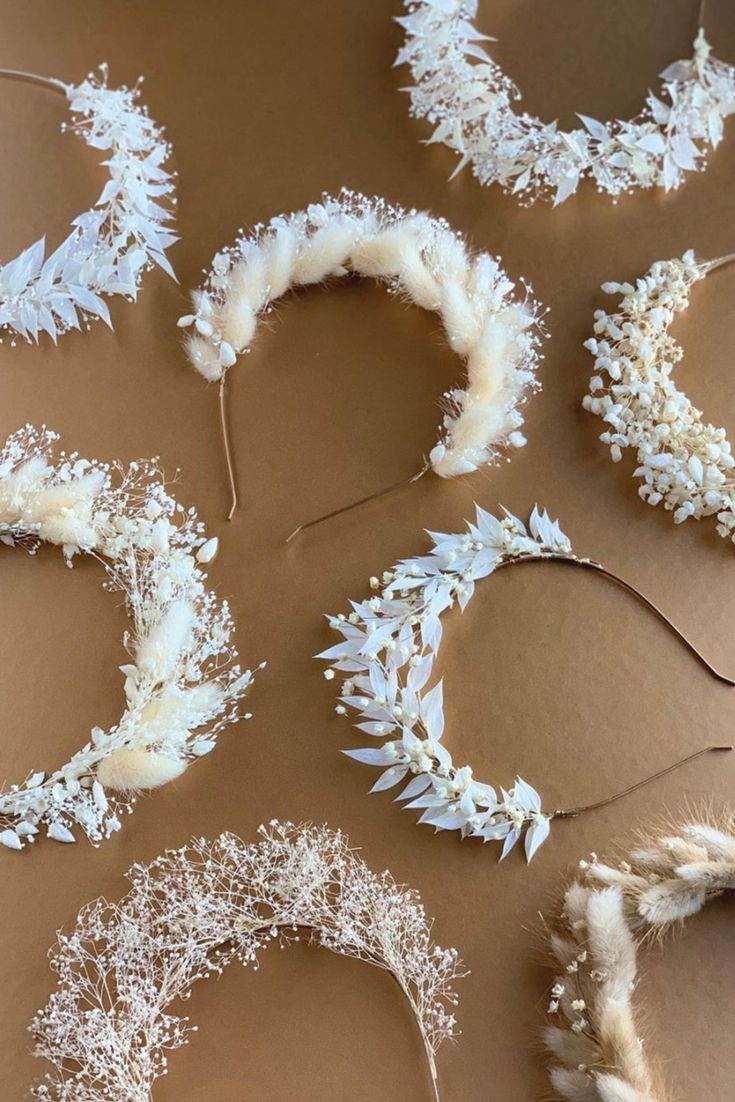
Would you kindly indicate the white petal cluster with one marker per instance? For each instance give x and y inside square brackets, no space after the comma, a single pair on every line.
[608,912]
[389,645]
[114,1017]
[470,102]
[684,463]
[492,327]
[183,683]
[111,245]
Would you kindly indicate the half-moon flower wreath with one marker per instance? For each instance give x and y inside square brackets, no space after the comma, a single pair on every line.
[610,912]
[183,683]
[387,653]
[487,320]
[125,233]
[684,463]
[108,1028]
[469,100]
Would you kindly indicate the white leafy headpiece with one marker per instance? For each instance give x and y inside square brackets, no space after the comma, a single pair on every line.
[470,102]
[124,234]
[109,1026]
[183,684]
[386,656]
[486,321]
[684,463]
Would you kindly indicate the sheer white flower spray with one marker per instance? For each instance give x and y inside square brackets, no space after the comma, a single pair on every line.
[608,911]
[108,1027]
[493,327]
[183,684]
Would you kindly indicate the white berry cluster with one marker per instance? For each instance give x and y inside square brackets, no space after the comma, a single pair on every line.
[684,463]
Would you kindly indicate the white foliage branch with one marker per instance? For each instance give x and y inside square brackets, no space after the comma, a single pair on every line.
[609,910]
[470,101]
[183,683]
[492,327]
[684,463]
[109,1026]
[387,654]
[111,245]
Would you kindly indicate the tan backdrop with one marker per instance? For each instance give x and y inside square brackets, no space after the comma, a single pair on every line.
[555,675]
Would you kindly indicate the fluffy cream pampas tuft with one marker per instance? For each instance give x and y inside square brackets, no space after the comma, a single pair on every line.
[495,329]
[608,911]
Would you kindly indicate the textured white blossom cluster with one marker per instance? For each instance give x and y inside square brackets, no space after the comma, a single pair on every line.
[493,328]
[109,1026]
[608,912]
[470,101]
[389,645]
[683,462]
[111,245]
[182,684]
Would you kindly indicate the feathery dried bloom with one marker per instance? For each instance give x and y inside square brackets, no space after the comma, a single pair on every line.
[108,1027]
[469,100]
[495,329]
[608,911]
[111,245]
[684,463]
[183,684]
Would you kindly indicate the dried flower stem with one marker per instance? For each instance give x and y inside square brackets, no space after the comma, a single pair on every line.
[227,449]
[33,78]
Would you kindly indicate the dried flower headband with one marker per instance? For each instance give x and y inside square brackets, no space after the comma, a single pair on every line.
[496,331]
[389,645]
[123,235]
[609,910]
[684,463]
[469,100]
[183,684]
[109,1026]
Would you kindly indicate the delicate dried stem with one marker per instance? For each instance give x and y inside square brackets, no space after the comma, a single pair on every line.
[33,78]
[362,501]
[227,450]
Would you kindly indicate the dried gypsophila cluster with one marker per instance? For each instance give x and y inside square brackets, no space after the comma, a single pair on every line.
[608,911]
[390,643]
[684,463]
[470,101]
[183,683]
[496,331]
[111,245]
[109,1026]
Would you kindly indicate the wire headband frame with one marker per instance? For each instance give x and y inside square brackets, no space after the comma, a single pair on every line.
[491,325]
[387,653]
[124,234]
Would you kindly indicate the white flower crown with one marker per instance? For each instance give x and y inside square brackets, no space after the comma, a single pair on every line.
[124,234]
[608,912]
[469,100]
[684,463]
[387,653]
[486,322]
[183,684]
[108,1028]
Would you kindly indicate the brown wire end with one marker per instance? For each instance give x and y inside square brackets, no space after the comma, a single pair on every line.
[362,501]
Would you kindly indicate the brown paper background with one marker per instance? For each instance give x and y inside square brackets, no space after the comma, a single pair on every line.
[552,674]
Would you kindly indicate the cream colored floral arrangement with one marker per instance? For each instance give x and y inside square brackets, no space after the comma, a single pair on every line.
[487,322]
[389,644]
[469,100]
[183,683]
[108,1028]
[608,912]
[125,233]
[684,463]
